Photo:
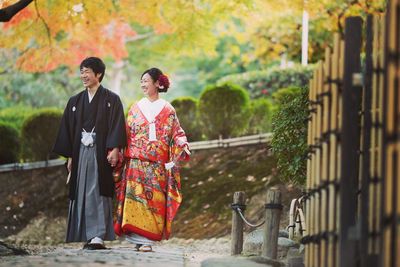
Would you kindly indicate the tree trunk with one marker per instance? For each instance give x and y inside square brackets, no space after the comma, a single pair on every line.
[117,75]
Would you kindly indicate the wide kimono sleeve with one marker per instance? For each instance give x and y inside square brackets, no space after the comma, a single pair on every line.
[116,126]
[179,144]
[178,151]
[63,143]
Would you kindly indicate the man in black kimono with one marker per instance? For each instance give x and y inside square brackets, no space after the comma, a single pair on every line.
[91,133]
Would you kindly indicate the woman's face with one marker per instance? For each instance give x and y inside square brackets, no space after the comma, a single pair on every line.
[149,87]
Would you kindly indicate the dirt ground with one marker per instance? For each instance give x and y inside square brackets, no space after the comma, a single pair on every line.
[34,202]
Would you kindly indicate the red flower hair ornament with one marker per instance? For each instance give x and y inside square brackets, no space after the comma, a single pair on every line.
[164,82]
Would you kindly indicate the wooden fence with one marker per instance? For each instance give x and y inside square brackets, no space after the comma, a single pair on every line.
[231,142]
[353,170]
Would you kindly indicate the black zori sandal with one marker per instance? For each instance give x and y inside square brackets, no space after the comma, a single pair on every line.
[93,246]
[137,247]
[96,246]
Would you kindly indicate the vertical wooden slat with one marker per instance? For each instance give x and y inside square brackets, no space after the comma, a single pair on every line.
[339,152]
[325,156]
[374,130]
[317,184]
[333,139]
[391,120]
[379,137]
[308,186]
[366,148]
[350,143]
[313,161]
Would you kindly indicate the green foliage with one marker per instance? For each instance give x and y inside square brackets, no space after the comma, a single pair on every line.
[10,143]
[186,109]
[38,89]
[286,94]
[289,128]
[38,134]
[15,115]
[260,118]
[224,110]
[195,73]
[266,82]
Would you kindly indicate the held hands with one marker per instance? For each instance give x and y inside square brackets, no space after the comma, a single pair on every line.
[112,157]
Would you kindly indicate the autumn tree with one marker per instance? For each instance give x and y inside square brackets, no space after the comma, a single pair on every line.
[274,27]
[53,33]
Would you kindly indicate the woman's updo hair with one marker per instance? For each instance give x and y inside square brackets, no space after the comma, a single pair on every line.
[157,75]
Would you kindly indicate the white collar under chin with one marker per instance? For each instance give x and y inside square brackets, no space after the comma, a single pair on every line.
[151,109]
[90,95]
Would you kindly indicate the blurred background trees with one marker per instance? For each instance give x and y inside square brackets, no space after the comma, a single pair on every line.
[229,61]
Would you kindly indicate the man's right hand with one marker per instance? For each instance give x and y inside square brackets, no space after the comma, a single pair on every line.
[69,164]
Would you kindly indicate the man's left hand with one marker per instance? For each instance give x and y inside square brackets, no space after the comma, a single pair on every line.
[112,157]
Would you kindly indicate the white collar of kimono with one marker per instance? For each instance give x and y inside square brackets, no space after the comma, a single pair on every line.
[151,109]
[90,95]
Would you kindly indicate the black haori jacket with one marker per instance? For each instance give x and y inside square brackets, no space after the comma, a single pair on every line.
[110,133]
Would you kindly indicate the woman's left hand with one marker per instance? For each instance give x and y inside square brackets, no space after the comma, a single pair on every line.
[186,149]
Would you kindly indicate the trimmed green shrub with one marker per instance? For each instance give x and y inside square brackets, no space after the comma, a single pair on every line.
[285,95]
[266,82]
[224,110]
[38,134]
[15,115]
[260,118]
[289,140]
[186,109]
[10,143]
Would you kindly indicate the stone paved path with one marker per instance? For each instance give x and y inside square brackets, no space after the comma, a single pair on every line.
[168,254]
[173,253]
[116,256]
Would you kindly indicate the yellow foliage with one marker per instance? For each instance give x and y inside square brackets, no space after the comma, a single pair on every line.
[49,33]
[59,32]
[274,27]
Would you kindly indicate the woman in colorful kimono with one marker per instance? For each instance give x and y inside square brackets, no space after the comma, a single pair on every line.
[148,194]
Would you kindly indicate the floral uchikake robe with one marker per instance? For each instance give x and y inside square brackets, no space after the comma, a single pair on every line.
[148,195]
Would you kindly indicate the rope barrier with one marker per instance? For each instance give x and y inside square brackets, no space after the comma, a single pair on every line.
[238,209]
[242,207]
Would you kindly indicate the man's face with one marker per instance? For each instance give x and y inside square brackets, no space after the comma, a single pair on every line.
[89,78]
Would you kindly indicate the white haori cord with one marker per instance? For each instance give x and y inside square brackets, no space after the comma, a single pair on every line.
[150,110]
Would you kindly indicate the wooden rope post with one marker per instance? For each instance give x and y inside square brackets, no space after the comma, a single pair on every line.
[239,199]
[273,210]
